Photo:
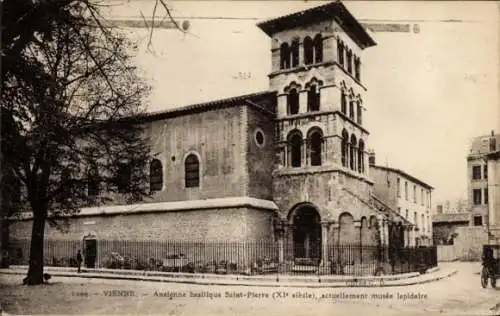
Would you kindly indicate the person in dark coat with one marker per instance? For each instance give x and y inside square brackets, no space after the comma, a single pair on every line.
[79,260]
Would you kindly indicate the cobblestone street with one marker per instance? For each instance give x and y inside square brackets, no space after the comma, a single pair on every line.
[460,294]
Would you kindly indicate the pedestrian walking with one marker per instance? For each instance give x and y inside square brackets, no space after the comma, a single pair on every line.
[79,260]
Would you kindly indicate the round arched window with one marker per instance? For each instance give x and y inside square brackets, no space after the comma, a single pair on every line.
[259,137]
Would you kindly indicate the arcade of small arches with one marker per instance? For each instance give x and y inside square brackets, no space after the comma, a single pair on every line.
[290,53]
[353,152]
[305,234]
[293,91]
[314,147]
[351,106]
[346,58]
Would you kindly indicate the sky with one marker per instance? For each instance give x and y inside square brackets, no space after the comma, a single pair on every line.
[429,93]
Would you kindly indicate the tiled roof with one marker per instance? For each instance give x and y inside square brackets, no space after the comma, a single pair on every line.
[332,10]
[263,101]
[404,174]
[450,217]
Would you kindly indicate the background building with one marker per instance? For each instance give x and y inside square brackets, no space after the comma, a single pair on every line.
[483,179]
[409,196]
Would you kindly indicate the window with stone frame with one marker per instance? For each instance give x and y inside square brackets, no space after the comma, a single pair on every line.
[343,103]
[318,48]
[361,156]
[351,110]
[294,145]
[293,101]
[485,171]
[414,194]
[476,196]
[155,175]
[352,152]
[284,56]
[340,52]
[359,113]
[308,50]
[315,141]
[295,52]
[349,61]
[398,187]
[192,171]
[486,196]
[345,148]
[313,98]
[478,220]
[357,70]
[406,190]
[476,172]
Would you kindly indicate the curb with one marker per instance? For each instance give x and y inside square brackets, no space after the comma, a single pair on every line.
[311,283]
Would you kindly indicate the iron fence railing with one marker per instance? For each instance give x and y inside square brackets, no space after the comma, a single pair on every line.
[235,257]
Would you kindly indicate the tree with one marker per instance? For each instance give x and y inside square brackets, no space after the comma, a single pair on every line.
[71,104]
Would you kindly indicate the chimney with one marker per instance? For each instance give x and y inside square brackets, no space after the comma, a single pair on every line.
[439,209]
[371,158]
[493,142]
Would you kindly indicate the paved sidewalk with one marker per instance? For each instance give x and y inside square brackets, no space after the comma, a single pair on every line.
[312,281]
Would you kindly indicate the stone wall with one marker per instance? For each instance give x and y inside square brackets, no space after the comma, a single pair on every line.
[467,246]
[235,224]
[260,158]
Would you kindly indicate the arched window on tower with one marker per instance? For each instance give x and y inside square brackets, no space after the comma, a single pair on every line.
[284,56]
[318,48]
[351,109]
[308,50]
[359,112]
[340,52]
[294,145]
[293,101]
[192,171]
[315,142]
[352,153]
[349,61]
[343,103]
[295,52]
[155,175]
[361,156]
[357,70]
[345,148]
[313,98]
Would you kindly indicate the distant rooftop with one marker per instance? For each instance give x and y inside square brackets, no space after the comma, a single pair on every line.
[481,145]
[450,217]
[333,10]
[404,174]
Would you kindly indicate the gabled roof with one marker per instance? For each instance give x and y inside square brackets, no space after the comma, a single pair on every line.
[333,10]
[404,174]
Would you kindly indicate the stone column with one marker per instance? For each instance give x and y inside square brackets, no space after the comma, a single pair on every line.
[412,236]
[281,250]
[325,227]
[357,224]
[383,230]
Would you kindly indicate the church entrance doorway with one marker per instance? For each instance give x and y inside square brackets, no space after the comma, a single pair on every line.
[306,232]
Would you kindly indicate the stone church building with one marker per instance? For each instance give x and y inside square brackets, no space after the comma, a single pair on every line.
[289,164]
